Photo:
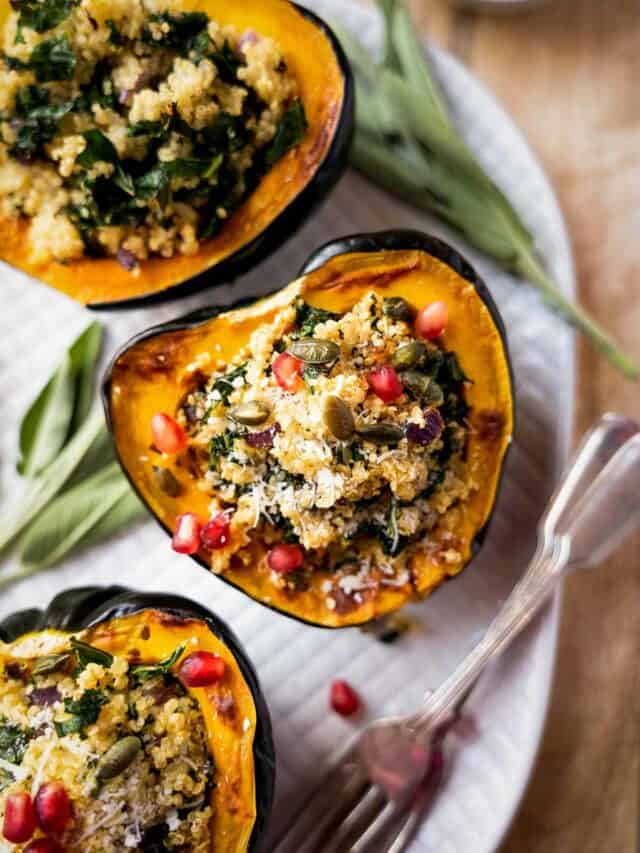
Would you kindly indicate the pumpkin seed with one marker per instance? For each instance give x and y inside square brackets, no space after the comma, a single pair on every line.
[423,387]
[50,663]
[315,351]
[381,433]
[253,413]
[397,308]
[408,355]
[166,482]
[117,758]
[338,418]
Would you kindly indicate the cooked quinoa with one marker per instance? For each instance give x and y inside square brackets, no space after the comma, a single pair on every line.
[358,483]
[131,128]
[126,741]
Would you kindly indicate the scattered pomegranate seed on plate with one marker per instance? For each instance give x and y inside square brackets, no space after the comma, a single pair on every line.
[343,699]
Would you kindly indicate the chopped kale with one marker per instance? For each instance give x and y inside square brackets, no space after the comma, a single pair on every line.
[290,133]
[308,317]
[155,182]
[224,386]
[145,672]
[115,37]
[53,60]
[221,445]
[84,712]
[227,62]
[99,148]
[36,121]
[99,90]
[181,29]
[148,128]
[6,779]
[227,133]
[87,654]
[450,372]
[14,741]
[40,16]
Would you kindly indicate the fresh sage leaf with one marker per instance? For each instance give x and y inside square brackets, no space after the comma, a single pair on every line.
[61,406]
[87,654]
[65,522]
[406,142]
[144,672]
[46,425]
[44,487]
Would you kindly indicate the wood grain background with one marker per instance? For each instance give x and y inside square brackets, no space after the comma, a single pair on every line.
[569,74]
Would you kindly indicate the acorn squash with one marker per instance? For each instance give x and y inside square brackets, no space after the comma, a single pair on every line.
[282,200]
[162,369]
[148,628]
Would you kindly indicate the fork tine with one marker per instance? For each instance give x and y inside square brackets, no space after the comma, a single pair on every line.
[382,822]
[364,811]
[316,817]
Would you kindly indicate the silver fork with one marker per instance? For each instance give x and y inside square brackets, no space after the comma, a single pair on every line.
[377,789]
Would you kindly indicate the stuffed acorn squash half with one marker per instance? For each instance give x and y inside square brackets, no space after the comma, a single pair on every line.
[130,721]
[335,449]
[150,147]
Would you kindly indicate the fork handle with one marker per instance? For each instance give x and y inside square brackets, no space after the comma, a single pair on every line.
[601,514]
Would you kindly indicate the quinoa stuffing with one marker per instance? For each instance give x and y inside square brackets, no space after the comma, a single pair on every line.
[108,754]
[134,129]
[338,440]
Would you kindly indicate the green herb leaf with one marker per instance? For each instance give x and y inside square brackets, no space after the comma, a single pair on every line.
[181,29]
[99,148]
[72,516]
[41,489]
[290,133]
[87,654]
[220,446]
[84,713]
[14,741]
[224,385]
[37,121]
[40,16]
[61,406]
[53,60]
[406,142]
[308,317]
[145,672]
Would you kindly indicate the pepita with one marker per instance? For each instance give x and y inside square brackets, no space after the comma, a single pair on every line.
[397,308]
[117,758]
[252,413]
[408,355]
[380,433]
[50,663]
[338,418]
[423,387]
[315,351]
[166,482]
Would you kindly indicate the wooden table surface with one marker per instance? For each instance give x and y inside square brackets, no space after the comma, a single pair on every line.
[569,74]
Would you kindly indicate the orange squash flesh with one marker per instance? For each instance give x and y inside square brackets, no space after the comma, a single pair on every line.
[312,59]
[153,375]
[233,798]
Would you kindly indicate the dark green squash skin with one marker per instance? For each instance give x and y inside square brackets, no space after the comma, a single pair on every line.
[292,217]
[83,607]
[396,239]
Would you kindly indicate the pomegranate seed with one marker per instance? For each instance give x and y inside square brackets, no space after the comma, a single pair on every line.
[44,845]
[168,435]
[432,320]
[200,669]
[384,382]
[285,558]
[19,818]
[53,807]
[287,369]
[344,699]
[216,533]
[186,539]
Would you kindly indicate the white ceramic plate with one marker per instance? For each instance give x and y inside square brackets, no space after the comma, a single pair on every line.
[296,663]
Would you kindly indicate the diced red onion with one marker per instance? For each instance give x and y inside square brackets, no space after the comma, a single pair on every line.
[44,696]
[263,438]
[127,259]
[124,95]
[432,429]
[247,37]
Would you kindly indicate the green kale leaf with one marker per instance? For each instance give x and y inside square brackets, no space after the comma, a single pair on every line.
[14,741]
[53,60]
[290,133]
[84,712]
[145,672]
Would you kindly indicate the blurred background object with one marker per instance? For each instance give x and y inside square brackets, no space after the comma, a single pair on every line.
[497,5]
